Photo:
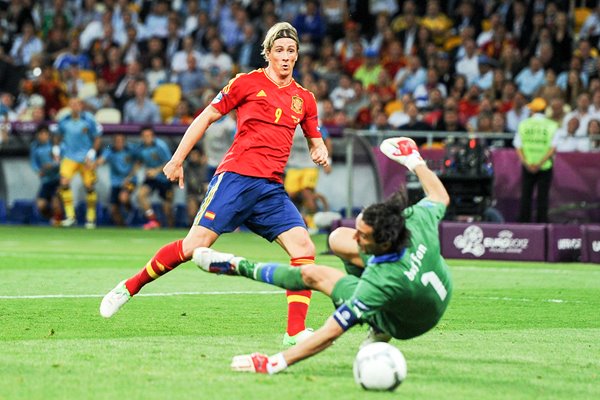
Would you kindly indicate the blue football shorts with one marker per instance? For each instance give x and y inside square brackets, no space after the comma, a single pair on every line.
[260,204]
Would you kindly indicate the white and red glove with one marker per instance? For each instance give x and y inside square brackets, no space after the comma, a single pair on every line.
[403,150]
[259,363]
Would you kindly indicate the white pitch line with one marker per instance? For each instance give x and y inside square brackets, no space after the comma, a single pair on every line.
[525,300]
[532,269]
[83,296]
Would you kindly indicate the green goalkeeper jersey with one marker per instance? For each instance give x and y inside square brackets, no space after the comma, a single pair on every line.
[403,294]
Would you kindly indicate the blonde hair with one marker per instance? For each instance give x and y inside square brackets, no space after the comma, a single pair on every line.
[278,31]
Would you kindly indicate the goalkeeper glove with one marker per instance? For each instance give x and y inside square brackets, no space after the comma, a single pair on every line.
[259,363]
[403,150]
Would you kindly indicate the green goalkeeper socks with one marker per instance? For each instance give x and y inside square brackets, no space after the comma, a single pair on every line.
[281,275]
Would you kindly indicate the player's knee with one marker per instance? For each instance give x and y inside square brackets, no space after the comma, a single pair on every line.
[336,239]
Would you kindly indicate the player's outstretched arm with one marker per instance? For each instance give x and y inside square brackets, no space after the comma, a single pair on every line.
[263,364]
[404,151]
[174,168]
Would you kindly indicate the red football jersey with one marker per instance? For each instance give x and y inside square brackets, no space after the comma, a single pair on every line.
[267,115]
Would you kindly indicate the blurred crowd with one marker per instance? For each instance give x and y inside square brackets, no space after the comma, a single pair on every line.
[457,65]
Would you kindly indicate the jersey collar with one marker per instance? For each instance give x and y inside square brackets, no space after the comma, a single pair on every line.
[386,258]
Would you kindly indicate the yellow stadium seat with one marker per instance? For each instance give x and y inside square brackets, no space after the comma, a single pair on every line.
[87,75]
[581,14]
[167,96]
[393,106]
[108,116]
[452,42]
[166,112]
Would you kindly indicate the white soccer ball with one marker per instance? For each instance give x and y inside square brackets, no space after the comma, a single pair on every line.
[379,366]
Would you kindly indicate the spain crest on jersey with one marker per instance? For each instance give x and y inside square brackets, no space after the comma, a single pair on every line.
[297,104]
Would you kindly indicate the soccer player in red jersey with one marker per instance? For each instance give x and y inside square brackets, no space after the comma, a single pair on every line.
[247,187]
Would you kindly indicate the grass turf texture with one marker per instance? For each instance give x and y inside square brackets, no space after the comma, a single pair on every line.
[513,330]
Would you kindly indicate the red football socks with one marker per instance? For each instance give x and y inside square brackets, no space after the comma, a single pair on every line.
[165,259]
[298,301]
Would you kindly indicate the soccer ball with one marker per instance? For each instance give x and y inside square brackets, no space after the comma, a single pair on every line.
[379,366]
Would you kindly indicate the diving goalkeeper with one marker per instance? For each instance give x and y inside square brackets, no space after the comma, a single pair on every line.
[397,281]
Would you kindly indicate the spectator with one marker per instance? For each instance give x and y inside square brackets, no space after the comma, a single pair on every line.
[407,31]
[153,47]
[80,134]
[217,65]
[498,122]
[172,42]
[310,24]
[368,72]
[141,109]
[183,114]
[575,65]
[519,112]
[25,46]
[45,161]
[593,130]
[422,92]
[594,108]
[114,70]
[414,123]
[436,21]
[408,78]
[120,158]
[192,82]
[72,55]
[196,183]
[358,102]
[131,49]
[567,141]
[591,26]
[157,21]
[71,80]
[450,121]
[352,44]
[51,89]
[179,62]
[393,59]
[550,90]
[557,110]
[486,73]
[247,54]
[125,88]
[562,36]
[535,143]
[581,112]
[531,78]
[157,74]
[102,99]
[152,154]
[468,65]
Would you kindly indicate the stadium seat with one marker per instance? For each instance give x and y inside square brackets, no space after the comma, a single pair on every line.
[87,75]
[108,116]
[581,14]
[88,90]
[63,112]
[2,212]
[393,106]
[167,96]
[21,212]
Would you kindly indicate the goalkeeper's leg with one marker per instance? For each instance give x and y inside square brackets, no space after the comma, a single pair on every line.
[316,277]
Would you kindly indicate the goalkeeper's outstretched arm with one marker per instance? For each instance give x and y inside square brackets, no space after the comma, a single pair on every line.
[404,151]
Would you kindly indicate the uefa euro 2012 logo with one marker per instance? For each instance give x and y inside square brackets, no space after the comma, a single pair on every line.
[474,241]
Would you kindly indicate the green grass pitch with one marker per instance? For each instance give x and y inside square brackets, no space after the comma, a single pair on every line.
[512,331]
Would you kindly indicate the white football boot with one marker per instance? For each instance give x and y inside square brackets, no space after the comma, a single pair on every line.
[114,300]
